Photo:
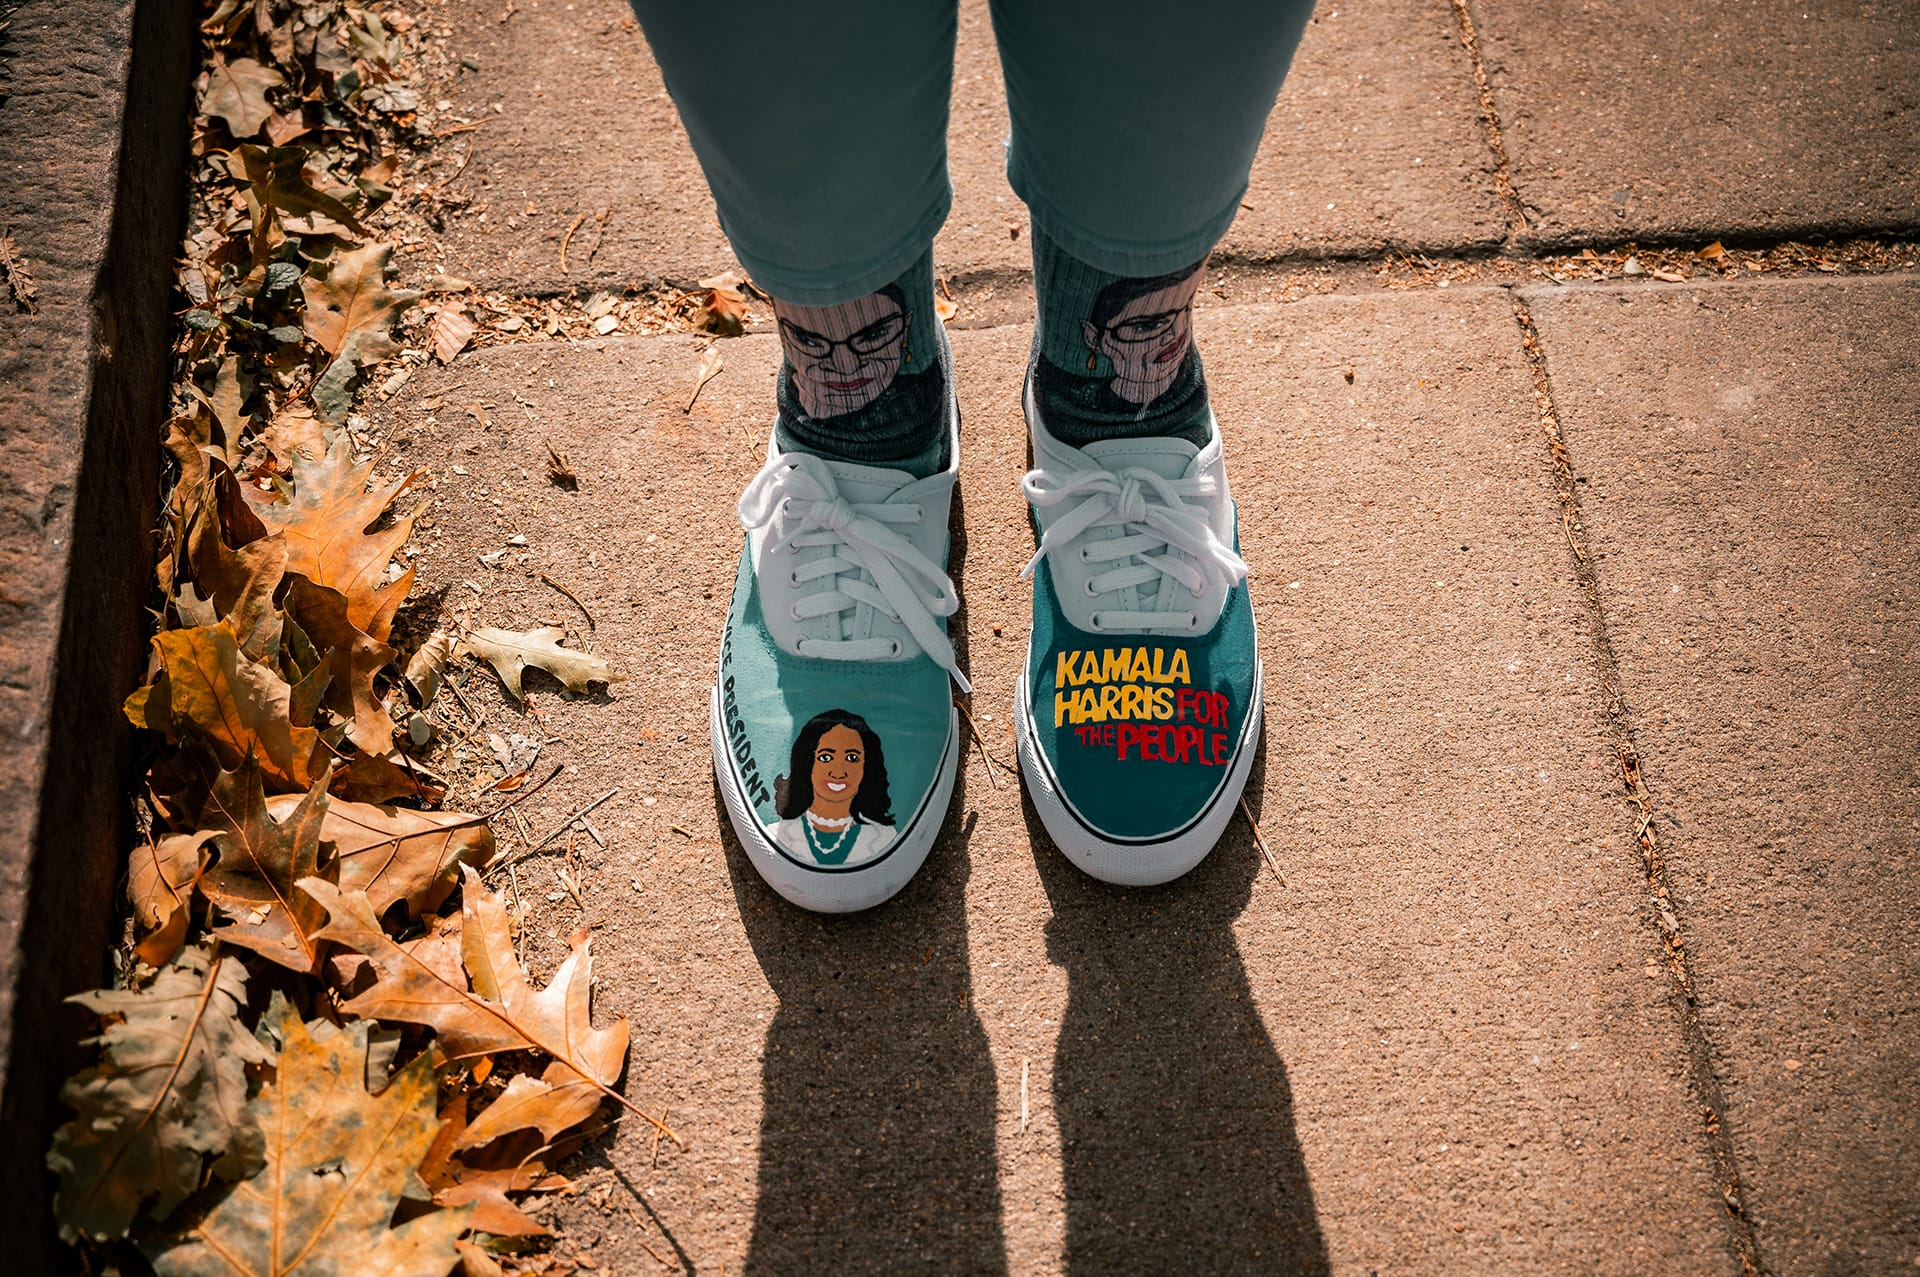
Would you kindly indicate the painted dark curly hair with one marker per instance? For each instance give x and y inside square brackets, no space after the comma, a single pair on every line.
[793,793]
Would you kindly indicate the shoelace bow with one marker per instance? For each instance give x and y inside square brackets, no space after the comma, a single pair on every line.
[867,562]
[1160,539]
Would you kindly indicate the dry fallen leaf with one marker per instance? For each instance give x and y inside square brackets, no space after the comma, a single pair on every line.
[170,1089]
[449,333]
[260,863]
[239,707]
[559,469]
[510,653]
[337,1161]
[500,1011]
[397,854]
[160,878]
[325,518]
[349,313]
[454,1182]
[237,93]
[721,311]
[428,665]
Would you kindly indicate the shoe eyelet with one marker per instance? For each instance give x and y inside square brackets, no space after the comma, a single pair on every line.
[1088,586]
[794,612]
[793,577]
[1095,622]
[894,647]
[1085,555]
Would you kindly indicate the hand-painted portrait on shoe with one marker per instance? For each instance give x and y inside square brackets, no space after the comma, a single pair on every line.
[833,803]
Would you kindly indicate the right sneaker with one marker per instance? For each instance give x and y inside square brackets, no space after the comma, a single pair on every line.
[1139,709]
[835,737]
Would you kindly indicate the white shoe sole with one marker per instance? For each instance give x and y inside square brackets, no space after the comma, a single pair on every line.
[836,890]
[1138,862]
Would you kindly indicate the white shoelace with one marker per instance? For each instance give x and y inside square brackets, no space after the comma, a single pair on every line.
[867,563]
[1161,539]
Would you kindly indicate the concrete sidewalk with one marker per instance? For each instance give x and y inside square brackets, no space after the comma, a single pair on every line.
[1512,546]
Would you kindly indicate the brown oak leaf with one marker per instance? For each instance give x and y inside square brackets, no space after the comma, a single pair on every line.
[337,1160]
[237,93]
[160,878]
[396,854]
[499,1010]
[170,1088]
[325,518]
[237,705]
[262,863]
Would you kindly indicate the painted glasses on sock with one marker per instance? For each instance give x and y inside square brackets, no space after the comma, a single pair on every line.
[1113,355]
[866,380]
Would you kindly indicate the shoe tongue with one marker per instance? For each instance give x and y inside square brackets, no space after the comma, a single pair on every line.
[866,485]
[1168,457]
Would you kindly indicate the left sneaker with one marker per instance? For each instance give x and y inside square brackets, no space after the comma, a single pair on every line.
[835,739]
[1139,708]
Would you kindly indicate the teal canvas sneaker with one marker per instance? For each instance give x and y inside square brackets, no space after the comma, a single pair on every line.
[835,738]
[1139,708]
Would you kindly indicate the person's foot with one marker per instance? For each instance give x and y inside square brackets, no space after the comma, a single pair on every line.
[835,740]
[1139,708]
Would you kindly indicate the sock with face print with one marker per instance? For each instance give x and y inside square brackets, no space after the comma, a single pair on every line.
[1113,355]
[866,380]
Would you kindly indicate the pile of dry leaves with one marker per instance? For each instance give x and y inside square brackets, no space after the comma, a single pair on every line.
[321,1052]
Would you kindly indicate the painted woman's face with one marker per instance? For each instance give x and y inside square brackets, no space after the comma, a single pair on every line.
[843,356]
[1147,341]
[839,764]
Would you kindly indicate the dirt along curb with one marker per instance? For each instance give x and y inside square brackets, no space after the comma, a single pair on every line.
[93,122]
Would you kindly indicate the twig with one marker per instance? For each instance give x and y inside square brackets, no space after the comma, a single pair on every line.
[661,1125]
[535,848]
[1260,842]
[682,830]
[711,365]
[1023,1094]
[981,741]
[478,718]
[460,128]
[568,239]
[575,597]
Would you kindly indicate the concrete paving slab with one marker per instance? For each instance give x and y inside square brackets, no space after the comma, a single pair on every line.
[1435,1048]
[1749,456]
[1375,141]
[1698,121]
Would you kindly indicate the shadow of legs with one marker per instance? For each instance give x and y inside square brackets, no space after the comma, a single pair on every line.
[1176,1120]
[877,1142]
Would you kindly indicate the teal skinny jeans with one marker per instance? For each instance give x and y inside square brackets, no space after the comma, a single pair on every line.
[822,127]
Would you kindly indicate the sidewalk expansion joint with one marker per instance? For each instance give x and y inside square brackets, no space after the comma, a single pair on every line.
[1662,912]
[1490,121]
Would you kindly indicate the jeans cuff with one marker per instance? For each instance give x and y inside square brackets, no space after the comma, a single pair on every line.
[831,285]
[1118,257]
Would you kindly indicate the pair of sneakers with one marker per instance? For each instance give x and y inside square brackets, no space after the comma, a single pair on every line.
[835,736]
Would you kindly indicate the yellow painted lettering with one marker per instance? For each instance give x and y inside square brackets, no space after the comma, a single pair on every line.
[1180,673]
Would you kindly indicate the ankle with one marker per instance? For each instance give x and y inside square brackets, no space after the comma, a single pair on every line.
[1113,355]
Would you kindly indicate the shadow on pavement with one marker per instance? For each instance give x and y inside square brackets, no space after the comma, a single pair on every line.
[876,1142]
[877,1138]
[1176,1120]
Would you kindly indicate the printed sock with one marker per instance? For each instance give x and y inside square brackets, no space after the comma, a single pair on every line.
[1113,356]
[866,380]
